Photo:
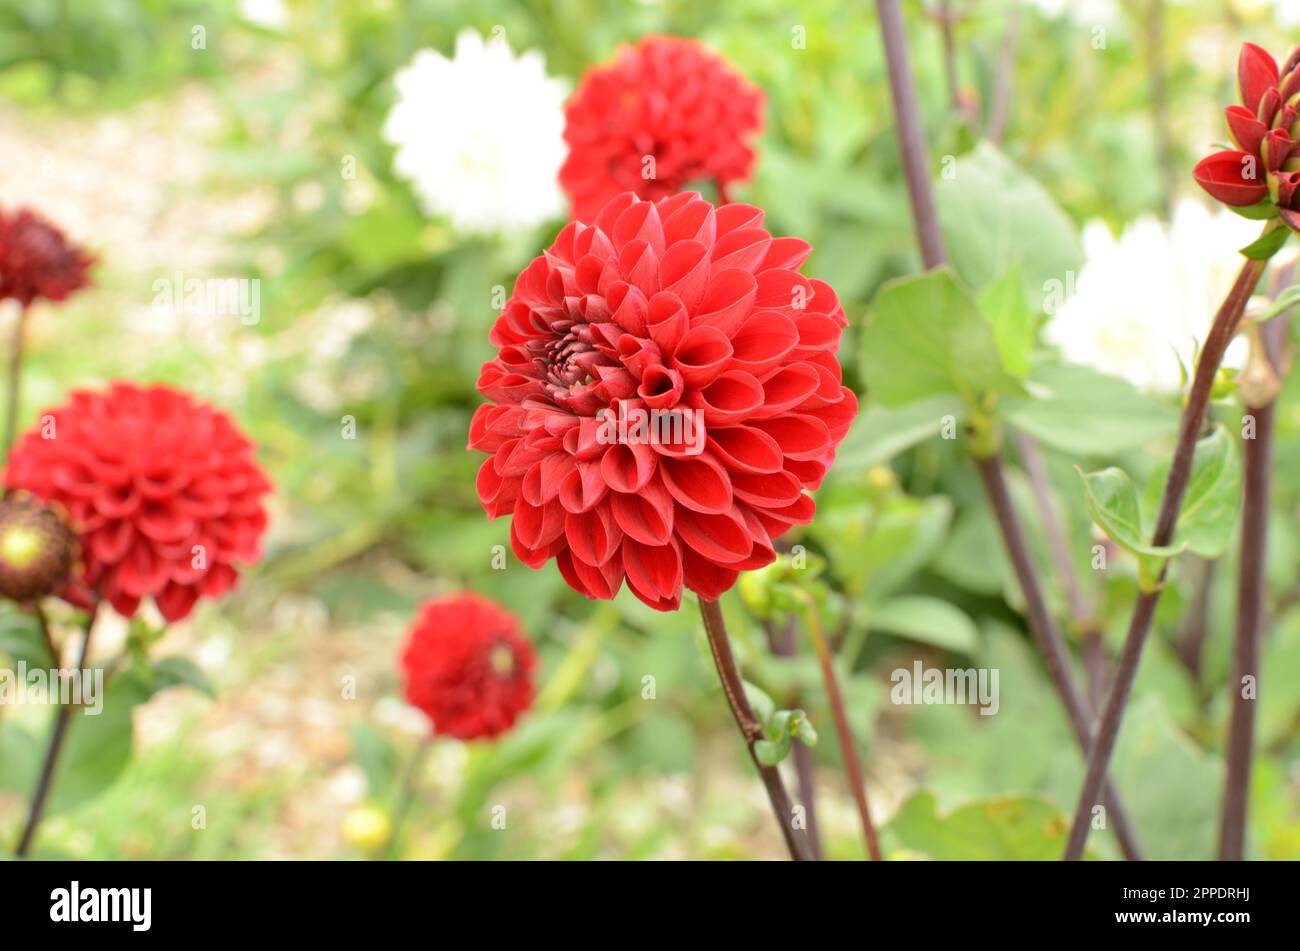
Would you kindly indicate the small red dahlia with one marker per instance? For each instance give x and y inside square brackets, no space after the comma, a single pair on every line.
[664,113]
[37,260]
[469,666]
[665,392]
[163,489]
[1266,127]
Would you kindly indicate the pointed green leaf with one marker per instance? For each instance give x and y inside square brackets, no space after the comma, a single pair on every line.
[1003,302]
[1213,495]
[1267,244]
[927,337]
[1112,503]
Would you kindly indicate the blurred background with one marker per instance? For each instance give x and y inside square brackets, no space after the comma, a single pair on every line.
[262,154]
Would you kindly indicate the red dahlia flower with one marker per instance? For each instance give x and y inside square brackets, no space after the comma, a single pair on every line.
[468,666]
[695,317]
[37,260]
[162,488]
[1266,127]
[667,99]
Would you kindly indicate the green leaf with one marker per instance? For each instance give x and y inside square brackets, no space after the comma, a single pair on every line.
[1017,828]
[1260,211]
[1170,786]
[764,706]
[804,729]
[96,751]
[1267,244]
[771,752]
[1003,302]
[927,338]
[881,433]
[1085,413]
[1213,495]
[1112,503]
[874,546]
[927,620]
[21,639]
[180,671]
[995,217]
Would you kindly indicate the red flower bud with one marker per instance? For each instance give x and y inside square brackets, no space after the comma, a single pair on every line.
[1234,178]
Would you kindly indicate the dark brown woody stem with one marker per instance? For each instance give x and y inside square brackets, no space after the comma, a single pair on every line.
[1050,643]
[750,729]
[1171,503]
[843,732]
[61,722]
[1251,581]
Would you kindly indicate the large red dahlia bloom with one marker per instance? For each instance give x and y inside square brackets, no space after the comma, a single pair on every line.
[1266,128]
[695,313]
[162,488]
[37,260]
[469,666]
[665,99]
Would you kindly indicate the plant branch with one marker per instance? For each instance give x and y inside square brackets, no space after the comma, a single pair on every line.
[1000,108]
[1050,643]
[783,642]
[750,729]
[1171,503]
[843,732]
[911,138]
[61,722]
[406,794]
[1251,610]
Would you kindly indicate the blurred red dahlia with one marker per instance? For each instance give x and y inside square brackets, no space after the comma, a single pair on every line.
[37,260]
[667,99]
[162,488]
[1265,168]
[469,666]
[692,316]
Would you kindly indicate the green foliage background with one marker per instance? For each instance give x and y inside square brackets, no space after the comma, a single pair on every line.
[365,529]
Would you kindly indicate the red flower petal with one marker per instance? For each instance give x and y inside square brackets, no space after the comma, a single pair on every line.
[1225,176]
[1256,72]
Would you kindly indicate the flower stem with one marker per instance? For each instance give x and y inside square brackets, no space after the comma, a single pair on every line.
[61,722]
[15,385]
[406,795]
[782,641]
[1171,503]
[750,728]
[911,139]
[911,145]
[843,732]
[1050,643]
[1257,485]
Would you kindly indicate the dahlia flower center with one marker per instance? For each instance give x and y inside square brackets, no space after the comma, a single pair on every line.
[569,359]
[20,546]
[502,660]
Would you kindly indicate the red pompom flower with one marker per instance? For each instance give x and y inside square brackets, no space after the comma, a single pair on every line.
[162,488]
[37,260]
[468,666]
[1266,129]
[665,392]
[664,113]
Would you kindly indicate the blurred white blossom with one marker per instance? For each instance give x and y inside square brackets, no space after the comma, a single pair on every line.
[1145,300]
[480,136]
